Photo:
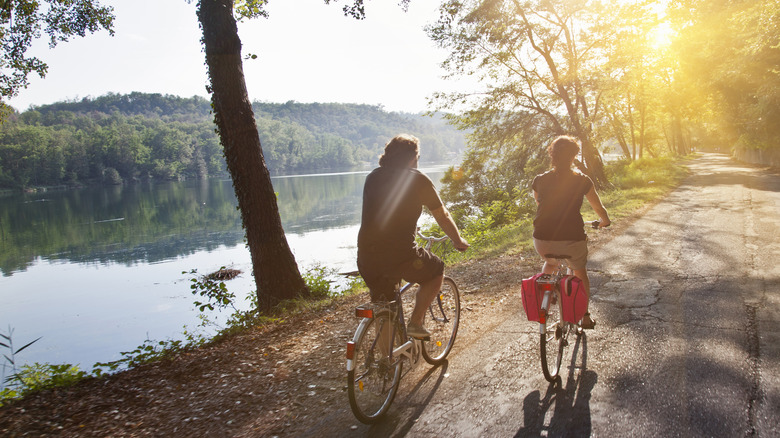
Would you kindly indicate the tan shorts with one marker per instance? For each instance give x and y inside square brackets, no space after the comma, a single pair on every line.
[577,250]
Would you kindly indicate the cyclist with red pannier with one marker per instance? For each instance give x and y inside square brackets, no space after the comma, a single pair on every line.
[558,225]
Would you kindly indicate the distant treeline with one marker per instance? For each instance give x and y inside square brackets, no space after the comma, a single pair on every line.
[122,138]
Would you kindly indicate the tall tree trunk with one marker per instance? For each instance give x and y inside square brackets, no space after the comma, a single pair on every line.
[276,273]
[593,161]
[631,128]
[677,135]
[617,128]
[642,116]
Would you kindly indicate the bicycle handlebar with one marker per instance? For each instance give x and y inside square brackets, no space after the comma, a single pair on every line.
[430,238]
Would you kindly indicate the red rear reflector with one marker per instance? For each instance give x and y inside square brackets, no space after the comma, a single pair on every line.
[350,350]
[361,312]
[546,286]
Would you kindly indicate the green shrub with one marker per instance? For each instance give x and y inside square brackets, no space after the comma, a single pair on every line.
[317,281]
[39,376]
[664,171]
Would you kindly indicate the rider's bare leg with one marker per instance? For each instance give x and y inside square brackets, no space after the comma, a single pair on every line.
[582,274]
[425,296]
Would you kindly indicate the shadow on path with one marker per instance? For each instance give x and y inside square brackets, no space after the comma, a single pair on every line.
[570,403]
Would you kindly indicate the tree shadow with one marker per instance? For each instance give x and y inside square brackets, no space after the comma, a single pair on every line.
[570,402]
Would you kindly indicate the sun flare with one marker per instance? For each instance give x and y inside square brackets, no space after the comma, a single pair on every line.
[661,36]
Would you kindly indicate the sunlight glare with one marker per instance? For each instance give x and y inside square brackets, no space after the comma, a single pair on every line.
[661,36]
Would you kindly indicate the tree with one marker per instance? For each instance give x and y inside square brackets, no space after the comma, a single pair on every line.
[275,270]
[540,60]
[21,21]
[729,50]
[634,76]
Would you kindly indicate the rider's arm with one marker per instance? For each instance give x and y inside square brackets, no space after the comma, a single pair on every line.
[593,198]
[443,218]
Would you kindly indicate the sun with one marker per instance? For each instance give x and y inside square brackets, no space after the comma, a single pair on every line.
[661,36]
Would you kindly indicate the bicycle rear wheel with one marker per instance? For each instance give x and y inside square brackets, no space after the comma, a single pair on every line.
[374,381]
[442,321]
[552,340]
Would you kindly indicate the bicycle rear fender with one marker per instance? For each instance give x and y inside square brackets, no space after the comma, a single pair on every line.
[351,344]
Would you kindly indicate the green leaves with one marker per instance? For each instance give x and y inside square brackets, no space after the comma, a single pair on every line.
[22,21]
[249,9]
[215,292]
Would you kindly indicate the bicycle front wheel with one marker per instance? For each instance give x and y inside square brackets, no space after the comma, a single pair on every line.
[374,381]
[552,339]
[442,321]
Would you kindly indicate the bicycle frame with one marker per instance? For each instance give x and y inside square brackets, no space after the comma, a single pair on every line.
[381,344]
[409,349]
[551,284]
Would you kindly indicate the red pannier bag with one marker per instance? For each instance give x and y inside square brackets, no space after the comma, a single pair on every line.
[574,299]
[532,297]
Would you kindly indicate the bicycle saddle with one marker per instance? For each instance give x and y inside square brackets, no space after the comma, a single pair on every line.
[557,256]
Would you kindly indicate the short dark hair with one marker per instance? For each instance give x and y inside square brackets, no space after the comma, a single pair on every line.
[400,151]
[563,150]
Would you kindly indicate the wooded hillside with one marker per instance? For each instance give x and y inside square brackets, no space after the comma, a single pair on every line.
[121,138]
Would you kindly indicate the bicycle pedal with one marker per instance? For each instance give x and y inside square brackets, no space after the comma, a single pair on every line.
[424,338]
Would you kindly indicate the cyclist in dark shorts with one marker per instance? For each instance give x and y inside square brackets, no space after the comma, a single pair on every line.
[393,197]
[558,225]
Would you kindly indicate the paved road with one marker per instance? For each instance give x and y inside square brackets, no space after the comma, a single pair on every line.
[687,344]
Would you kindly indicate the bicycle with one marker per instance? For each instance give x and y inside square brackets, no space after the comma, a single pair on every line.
[553,330]
[377,351]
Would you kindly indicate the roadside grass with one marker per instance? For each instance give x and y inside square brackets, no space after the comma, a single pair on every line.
[635,185]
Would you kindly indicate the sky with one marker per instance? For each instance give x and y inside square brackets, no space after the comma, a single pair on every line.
[307,52]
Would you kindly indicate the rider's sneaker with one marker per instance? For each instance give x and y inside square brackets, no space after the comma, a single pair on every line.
[588,323]
[418,332]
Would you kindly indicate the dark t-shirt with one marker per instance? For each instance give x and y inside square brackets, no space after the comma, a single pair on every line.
[560,199]
[393,198]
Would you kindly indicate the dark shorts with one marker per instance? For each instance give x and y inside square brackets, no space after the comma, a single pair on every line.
[382,277]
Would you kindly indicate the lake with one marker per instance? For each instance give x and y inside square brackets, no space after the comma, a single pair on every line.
[96,271]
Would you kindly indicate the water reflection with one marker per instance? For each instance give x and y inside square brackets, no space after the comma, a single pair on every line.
[149,223]
[315,202]
[123,224]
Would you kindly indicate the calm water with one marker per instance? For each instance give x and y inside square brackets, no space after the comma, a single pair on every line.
[96,271]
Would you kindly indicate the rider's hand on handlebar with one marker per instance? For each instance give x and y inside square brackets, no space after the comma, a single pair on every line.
[462,245]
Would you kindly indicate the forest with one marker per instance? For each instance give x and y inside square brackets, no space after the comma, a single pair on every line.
[115,139]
